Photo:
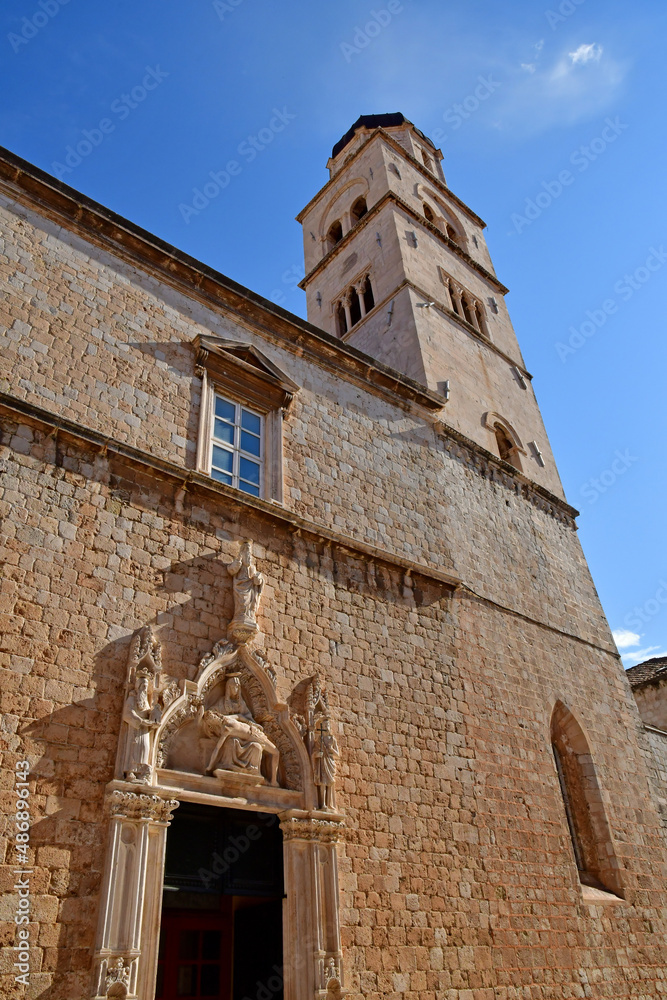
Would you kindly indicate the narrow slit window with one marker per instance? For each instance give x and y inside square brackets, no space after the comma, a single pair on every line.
[237,453]
[369,298]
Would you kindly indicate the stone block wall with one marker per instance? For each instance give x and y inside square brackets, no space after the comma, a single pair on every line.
[457,874]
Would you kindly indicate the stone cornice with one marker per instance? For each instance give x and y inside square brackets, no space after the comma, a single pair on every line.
[411,159]
[391,196]
[196,481]
[460,447]
[33,187]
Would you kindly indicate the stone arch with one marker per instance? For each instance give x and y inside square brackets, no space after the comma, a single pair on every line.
[508,442]
[583,806]
[445,219]
[178,744]
[336,208]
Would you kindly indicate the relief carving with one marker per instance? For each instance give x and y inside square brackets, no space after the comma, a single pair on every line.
[241,741]
[133,806]
[148,693]
[247,587]
[117,979]
[312,717]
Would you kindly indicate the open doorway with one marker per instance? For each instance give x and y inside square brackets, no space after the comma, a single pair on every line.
[221,928]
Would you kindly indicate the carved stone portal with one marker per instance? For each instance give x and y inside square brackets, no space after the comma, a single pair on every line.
[223,734]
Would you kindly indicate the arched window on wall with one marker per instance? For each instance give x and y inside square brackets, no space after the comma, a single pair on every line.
[367,295]
[582,804]
[428,213]
[334,235]
[506,447]
[358,210]
[452,234]
[355,306]
[428,162]
[341,320]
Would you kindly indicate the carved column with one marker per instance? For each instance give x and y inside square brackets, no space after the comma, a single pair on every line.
[457,294]
[129,920]
[359,289]
[311,928]
[348,312]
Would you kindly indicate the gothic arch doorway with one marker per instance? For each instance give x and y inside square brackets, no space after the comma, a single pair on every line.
[205,747]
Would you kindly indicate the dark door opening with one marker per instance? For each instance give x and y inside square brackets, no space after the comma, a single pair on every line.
[221,929]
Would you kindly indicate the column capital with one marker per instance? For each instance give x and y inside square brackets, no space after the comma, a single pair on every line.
[138,806]
[324,831]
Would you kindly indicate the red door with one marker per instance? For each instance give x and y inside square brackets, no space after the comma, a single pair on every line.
[195,957]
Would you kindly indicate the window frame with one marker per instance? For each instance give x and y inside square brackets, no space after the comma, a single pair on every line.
[243,376]
[236,449]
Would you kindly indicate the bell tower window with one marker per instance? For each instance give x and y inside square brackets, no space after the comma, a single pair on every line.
[428,213]
[355,306]
[367,294]
[341,320]
[358,210]
[506,447]
[334,235]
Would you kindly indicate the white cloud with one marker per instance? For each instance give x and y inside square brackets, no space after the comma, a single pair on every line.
[624,639]
[642,654]
[586,53]
[552,89]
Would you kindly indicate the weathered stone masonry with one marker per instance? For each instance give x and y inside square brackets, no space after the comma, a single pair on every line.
[442,595]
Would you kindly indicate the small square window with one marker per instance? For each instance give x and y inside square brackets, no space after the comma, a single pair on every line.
[237,452]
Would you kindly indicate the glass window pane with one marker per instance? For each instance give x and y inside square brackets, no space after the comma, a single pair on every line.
[222,477]
[249,443]
[223,432]
[224,409]
[188,943]
[186,981]
[210,981]
[249,471]
[250,421]
[249,488]
[210,945]
[223,459]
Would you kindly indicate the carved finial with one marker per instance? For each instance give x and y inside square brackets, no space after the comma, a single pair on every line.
[247,587]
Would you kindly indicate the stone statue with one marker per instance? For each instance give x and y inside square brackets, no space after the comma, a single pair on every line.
[241,742]
[324,764]
[247,587]
[142,718]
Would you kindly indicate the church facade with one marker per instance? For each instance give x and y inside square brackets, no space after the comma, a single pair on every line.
[307,690]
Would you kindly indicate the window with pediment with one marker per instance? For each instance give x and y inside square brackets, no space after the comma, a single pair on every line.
[245,397]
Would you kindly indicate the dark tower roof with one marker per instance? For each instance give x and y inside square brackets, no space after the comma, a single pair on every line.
[390,120]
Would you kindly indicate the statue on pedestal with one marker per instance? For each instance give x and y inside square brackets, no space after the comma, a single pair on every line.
[247,588]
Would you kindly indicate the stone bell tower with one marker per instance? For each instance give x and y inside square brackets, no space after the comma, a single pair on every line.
[397,265]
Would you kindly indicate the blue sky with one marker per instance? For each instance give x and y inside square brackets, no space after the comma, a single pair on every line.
[564,159]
